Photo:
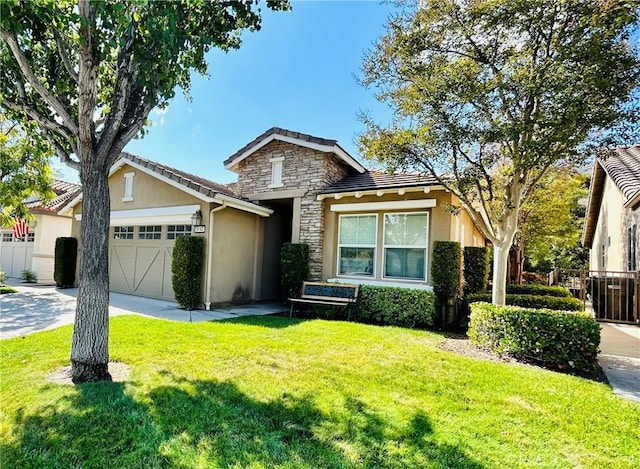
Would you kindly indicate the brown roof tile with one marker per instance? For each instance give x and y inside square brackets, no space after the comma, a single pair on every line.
[202,185]
[64,191]
[379,180]
[623,167]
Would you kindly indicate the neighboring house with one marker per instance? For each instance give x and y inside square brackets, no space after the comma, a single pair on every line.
[361,226]
[35,251]
[612,223]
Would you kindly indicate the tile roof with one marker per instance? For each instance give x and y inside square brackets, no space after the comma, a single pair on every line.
[372,180]
[623,167]
[197,183]
[64,191]
[285,133]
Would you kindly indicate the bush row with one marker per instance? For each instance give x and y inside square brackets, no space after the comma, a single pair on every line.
[294,262]
[554,339]
[541,290]
[394,306]
[533,301]
[186,271]
[476,269]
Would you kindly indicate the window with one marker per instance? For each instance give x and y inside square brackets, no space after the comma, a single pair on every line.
[632,263]
[7,237]
[123,232]
[175,231]
[150,232]
[405,245]
[603,257]
[357,245]
[31,237]
[128,187]
[276,172]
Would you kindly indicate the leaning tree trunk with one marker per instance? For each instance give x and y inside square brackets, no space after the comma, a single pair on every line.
[90,347]
[506,233]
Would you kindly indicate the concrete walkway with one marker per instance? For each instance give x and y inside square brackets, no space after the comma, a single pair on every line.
[37,308]
[620,358]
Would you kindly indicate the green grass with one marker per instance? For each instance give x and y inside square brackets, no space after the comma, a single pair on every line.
[275,392]
[4,290]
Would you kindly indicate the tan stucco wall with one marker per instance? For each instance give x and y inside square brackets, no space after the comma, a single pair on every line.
[611,231]
[236,244]
[440,222]
[48,228]
[148,192]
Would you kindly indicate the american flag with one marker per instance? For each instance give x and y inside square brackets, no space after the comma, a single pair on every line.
[20,228]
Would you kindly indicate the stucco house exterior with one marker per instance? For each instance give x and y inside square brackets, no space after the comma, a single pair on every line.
[612,222]
[361,226]
[35,251]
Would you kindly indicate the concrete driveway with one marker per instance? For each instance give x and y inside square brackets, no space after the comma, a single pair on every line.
[620,358]
[38,308]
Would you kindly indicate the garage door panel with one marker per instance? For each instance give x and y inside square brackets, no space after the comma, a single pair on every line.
[15,257]
[122,268]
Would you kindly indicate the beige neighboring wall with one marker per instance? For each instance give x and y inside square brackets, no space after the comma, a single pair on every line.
[439,226]
[236,246]
[610,234]
[48,229]
[464,230]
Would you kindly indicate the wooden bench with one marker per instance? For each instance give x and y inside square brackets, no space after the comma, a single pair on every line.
[332,294]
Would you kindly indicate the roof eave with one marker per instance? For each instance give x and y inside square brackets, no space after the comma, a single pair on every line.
[380,191]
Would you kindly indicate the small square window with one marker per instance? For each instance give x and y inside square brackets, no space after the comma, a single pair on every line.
[7,237]
[150,232]
[175,231]
[123,232]
[31,237]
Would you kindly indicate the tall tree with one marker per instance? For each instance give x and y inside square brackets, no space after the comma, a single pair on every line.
[88,74]
[24,170]
[551,221]
[487,95]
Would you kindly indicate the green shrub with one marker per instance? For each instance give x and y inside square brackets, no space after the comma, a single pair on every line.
[64,270]
[294,259]
[554,339]
[186,270]
[405,307]
[476,269]
[533,301]
[540,290]
[28,276]
[3,277]
[445,269]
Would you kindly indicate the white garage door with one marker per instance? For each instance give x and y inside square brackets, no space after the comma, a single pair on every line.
[140,261]
[15,256]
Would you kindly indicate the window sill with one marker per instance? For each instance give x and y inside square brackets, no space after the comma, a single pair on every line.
[275,186]
[382,283]
[127,199]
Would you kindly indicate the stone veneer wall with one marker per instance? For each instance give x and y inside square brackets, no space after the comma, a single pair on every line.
[303,168]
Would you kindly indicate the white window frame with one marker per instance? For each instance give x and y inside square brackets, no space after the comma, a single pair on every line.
[7,237]
[397,246]
[126,232]
[128,187]
[30,237]
[174,234]
[145,230]
[374,246]
[276,172]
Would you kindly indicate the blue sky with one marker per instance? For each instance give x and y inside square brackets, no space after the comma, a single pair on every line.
[297,72]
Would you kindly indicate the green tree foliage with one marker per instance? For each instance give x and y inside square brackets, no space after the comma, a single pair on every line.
[24,169]
[88,74]
[552,219]
[446,269]
[64,270]
[476,269]
[487,95]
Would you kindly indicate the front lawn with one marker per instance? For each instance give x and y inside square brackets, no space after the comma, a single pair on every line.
[275,392]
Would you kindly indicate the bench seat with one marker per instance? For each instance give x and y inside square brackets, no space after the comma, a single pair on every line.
[331,294]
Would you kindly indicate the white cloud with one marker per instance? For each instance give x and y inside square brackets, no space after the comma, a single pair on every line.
[157,115]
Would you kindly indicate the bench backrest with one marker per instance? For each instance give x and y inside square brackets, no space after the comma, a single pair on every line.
[336,291]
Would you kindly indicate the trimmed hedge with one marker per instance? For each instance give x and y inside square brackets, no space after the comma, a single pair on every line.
[294,259]
[476,269]
[64,270]
[445,269]
[540,290]
[554,339]
[393,306]
[533,301]
[186,270]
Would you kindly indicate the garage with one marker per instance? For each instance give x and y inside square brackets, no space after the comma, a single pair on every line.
[15,255]
[140,259]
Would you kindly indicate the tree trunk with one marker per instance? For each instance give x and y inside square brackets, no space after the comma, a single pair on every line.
[500,259]
[90,346]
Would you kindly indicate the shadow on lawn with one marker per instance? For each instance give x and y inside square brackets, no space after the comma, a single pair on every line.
[214,424]
[272,321]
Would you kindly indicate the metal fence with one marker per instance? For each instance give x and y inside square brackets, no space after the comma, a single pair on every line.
[609,296]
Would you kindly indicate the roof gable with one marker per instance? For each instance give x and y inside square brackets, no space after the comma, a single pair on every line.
[622,166]
[295,138]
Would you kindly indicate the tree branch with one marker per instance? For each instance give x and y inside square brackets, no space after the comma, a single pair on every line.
[33,80]
[62,51]
[42,121]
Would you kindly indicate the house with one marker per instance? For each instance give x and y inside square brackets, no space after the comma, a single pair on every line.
[35,250]
[361,226]
[612,220]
